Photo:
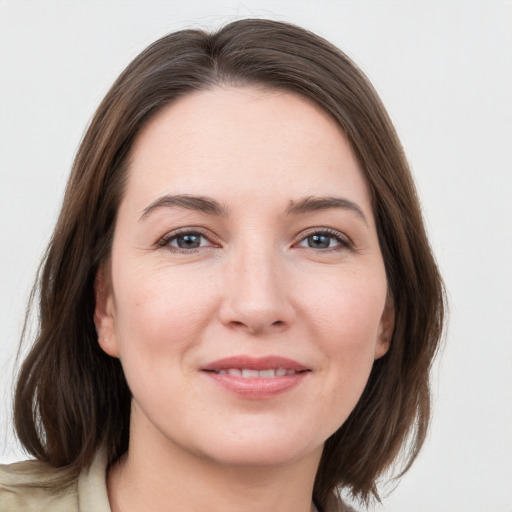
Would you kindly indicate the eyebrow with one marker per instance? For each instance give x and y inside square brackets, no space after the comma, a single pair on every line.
[198,203]
[210,206]
[314,204]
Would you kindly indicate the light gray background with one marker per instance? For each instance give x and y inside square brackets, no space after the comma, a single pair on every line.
[444,71]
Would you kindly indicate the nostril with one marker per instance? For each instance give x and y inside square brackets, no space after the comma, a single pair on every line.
[256,327]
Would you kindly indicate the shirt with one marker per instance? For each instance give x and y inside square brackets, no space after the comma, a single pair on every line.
[23,490]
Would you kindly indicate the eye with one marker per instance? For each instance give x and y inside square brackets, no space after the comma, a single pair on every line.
[188,241]
[324,240]
[184,241]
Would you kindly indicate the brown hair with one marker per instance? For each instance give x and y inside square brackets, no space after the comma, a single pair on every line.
[72,398]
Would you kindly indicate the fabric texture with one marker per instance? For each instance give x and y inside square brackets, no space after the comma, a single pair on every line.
[25,488]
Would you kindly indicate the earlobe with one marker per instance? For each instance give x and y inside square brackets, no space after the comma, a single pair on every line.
[104,313]
[386,327]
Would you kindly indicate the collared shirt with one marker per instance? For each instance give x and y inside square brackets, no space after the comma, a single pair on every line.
[25,489]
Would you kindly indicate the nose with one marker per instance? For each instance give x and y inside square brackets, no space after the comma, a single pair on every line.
[256,295]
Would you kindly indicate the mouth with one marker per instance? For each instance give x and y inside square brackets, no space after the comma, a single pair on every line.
[254,367]
[256,378]
[248,373]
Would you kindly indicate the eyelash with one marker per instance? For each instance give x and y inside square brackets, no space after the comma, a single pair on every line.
[166,240]
[343,241]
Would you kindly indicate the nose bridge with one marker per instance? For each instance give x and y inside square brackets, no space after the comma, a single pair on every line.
[256,296]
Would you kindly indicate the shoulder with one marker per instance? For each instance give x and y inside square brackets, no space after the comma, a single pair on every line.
[336,504]
[34,487]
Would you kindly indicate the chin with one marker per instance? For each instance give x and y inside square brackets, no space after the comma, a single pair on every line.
[261,448]
[256,455]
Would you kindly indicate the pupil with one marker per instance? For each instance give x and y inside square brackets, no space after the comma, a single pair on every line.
[319,241]
[188,241]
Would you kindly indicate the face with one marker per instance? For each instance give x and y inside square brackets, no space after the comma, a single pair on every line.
[246,291]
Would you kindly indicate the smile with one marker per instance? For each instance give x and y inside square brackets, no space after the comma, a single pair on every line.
[256,378]
[248,373]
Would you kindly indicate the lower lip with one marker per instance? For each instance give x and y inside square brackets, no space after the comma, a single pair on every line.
[257,388]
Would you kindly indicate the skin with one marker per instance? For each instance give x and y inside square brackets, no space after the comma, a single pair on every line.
[258,284]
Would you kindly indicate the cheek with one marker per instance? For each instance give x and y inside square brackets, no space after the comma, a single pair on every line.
[348,310]
[160,323]
[160,314]
[346,320]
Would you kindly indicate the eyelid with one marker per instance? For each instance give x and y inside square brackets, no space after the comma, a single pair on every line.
[164,241]
[343,239]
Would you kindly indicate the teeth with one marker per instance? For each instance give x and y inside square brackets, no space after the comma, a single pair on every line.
[248,373]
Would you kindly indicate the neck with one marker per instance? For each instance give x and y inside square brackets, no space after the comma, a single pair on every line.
[162,476]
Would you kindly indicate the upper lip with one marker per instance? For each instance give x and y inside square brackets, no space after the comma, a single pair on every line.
[254,363]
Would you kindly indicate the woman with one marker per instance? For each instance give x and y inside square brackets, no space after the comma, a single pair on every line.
[239,306]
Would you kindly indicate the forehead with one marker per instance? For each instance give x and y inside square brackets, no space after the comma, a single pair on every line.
[248,141]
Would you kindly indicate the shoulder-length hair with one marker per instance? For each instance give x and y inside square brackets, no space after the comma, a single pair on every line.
[72,398]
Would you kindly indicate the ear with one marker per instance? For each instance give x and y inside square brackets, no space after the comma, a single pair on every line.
[104,313]
[386,327]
